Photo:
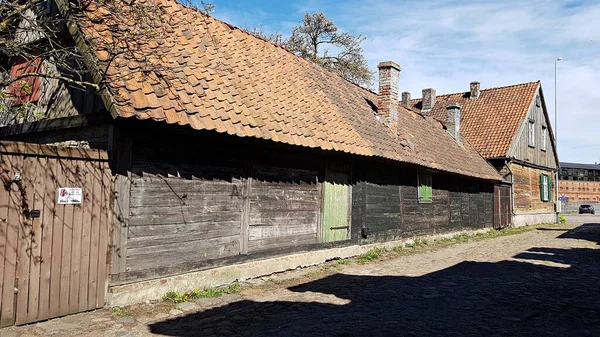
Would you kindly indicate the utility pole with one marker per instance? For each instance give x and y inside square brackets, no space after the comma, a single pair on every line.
[558,205]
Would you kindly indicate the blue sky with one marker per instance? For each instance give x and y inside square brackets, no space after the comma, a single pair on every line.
[447,44]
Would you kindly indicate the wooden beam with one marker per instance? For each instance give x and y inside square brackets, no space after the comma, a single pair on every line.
[20,148]
[245,225]
[54,124]
[120,147]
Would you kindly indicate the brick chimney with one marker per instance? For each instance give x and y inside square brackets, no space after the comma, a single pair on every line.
[406,99]
[475,90]
[428,100]
[387,101]
[453,120]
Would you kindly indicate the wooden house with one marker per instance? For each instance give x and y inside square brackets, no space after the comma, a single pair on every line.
[225,148]
[510,127]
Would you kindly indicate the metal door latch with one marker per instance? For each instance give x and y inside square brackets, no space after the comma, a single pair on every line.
[34,213]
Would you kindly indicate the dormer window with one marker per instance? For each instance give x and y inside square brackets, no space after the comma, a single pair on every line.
[531,133]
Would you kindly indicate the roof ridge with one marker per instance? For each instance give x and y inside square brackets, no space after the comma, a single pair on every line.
[486,89]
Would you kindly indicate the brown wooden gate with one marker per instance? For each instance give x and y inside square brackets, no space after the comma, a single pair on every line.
[53,257]
[502,207]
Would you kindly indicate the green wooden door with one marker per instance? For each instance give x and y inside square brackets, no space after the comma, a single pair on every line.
[336,205]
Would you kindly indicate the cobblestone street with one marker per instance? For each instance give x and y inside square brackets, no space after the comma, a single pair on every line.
[545,282]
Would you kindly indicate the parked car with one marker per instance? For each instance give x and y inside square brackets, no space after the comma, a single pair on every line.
[587,209]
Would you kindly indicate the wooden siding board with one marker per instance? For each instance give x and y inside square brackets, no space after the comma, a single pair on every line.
[87,178]
[520,148]
[96,204]
[36,246]
[67,237]
[527,190]
[103,240]
[283,206]
[11,164]
[57,244]
[5,245]
[182,220]
[49,207]
[176,253]
[75,173]
[27,168]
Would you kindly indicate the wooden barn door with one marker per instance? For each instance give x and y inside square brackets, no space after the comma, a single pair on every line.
[502,207]
[336,203]
[53,245]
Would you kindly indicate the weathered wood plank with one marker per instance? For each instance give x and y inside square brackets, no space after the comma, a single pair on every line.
[258,207]
[87,177]
[283,232]
[171,254]
[160,183]
[294,218]
[151,199]
[76,172]
[278,242]
[49,181]
[10,163]
[120,225]
[96,201]
[185,217]
[19,148]
[36,246]
[140,232]
[205,206]
[4,243]
[103,240]
[25,234]
[67,240]
[157,169]
[183,238]
[190,246]
[58,225]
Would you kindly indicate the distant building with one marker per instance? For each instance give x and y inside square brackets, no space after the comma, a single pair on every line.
[579,182]
[509,126]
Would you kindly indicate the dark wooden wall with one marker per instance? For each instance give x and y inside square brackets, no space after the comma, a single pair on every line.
[385,203]
[284,208]
[175,220]
[199,200]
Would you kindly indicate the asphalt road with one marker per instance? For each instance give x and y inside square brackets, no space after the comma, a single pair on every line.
[582,218]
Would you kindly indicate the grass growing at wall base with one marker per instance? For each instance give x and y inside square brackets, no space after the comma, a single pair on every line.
[195,294]
[421,244]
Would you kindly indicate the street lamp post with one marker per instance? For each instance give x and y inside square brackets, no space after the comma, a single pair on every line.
[558,208]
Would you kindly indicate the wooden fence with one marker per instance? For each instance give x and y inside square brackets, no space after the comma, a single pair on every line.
[53,255]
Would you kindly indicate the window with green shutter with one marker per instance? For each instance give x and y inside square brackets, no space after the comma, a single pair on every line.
[545,187]
[425,187]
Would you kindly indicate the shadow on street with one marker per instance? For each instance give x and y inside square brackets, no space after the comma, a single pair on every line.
[544,292]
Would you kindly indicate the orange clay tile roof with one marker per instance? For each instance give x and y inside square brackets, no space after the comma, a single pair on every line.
[207,74]
[491,121]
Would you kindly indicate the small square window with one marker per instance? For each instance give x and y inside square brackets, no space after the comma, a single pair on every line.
[425,189]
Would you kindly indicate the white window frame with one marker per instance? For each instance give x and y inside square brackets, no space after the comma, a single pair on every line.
[544,137]
[545,187]
[531,133]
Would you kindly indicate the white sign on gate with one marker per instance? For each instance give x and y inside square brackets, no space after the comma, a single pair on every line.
[70,196]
